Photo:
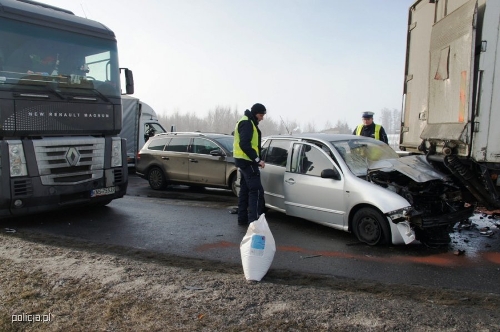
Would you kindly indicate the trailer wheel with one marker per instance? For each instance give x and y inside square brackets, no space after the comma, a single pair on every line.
[370,227]
[157,179]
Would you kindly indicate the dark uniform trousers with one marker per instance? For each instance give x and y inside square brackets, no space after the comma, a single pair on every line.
[251,196]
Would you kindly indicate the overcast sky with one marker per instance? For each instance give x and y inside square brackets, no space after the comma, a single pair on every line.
[309,61]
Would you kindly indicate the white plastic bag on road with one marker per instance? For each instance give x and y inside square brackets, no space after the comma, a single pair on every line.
[257,249]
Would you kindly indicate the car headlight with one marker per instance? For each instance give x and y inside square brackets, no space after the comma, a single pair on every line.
[116,152]
[403,213]
[17,160]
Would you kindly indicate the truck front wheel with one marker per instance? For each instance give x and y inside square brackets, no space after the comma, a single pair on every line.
[157,179]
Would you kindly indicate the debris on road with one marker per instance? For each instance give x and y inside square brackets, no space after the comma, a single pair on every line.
[312,256]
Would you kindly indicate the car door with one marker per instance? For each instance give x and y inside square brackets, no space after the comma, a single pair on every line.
[175,159]
[205,168]
[307,194]
[275,154]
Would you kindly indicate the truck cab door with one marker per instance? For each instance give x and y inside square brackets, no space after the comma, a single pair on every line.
[307,194]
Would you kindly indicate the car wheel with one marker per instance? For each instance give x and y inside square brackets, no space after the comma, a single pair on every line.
[232,185]
[370,227]
[157,179]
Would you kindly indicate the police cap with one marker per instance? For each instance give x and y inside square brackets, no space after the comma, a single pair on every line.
[367,115]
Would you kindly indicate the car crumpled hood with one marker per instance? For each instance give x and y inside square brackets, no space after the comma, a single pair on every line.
[415,167]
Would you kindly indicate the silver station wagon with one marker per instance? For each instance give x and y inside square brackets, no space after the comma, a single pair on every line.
[360,185]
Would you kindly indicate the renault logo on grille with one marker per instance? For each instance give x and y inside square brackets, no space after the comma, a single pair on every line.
[73,156]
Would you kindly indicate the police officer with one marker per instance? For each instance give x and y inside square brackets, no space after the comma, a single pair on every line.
[369,129]
[246,152]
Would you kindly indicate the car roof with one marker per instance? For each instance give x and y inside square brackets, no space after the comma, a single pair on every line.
[192,134]
[318,137]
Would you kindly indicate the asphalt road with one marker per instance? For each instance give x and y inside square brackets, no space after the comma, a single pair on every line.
[197,223]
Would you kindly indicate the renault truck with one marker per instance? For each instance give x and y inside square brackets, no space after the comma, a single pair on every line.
[60,111]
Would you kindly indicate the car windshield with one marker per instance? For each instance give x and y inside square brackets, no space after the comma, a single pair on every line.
[359,153]
[36,57]
[226,142]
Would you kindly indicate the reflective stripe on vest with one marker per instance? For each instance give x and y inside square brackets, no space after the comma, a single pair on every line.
[377,131]
[237,151]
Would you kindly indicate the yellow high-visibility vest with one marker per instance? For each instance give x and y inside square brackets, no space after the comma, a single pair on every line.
[377,131]
[237,151]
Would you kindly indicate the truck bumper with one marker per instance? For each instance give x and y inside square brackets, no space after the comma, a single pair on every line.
[29,196]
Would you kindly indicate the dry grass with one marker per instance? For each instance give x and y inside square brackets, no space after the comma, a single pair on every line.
[91,287]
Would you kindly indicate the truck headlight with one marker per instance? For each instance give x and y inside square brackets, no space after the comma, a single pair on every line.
[116,152]
[17,160]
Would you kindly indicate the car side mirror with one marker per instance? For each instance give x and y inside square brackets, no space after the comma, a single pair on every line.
[217,152]
[330,173]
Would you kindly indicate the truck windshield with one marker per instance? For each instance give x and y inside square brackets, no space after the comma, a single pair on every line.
[38,58]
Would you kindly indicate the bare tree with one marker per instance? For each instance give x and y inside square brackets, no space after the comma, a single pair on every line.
[311,127]
[342,127]
[223,119]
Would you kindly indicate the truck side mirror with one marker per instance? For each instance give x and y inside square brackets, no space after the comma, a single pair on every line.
[129,81]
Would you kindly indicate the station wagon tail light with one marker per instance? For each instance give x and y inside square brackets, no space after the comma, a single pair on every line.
[116,152]
[17,159]
[138,156]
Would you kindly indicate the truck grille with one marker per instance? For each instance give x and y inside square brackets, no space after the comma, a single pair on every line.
[22,188]
[118,176]
[69,161]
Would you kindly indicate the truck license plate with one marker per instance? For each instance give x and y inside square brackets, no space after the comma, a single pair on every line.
[102,192]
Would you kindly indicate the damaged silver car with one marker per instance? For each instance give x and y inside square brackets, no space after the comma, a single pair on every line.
[361,185]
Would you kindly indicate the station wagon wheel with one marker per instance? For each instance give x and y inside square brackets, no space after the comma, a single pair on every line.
[370,227]
[156,179]
[232,184]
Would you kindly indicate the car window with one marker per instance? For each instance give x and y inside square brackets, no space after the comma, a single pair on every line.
[226,142]
[178,144]
[204,146]
[325,148]
[309,160]
[277,152]
[158,144]
[265,148]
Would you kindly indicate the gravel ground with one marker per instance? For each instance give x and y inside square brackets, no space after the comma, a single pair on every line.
[83,286]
